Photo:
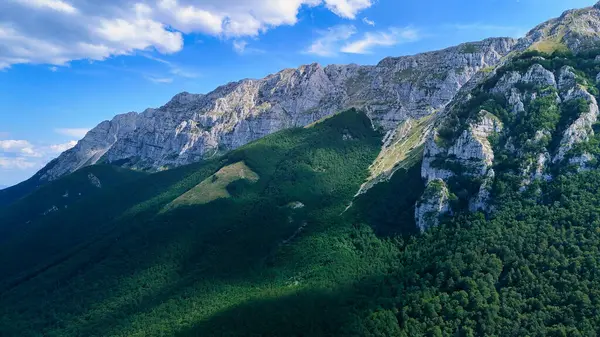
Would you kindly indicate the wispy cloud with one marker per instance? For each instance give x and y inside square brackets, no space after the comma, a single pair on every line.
[329,42]
[73,132]
[241,48]
[388,38]
[18,163]
[368,22]
[53,69]
[512,31]
[160,80]
[173,68]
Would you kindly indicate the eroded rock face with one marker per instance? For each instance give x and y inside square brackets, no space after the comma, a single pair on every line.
[536,170]
[471,154]
[539,76]
[433,203]
[536,76]
[193,127]
[581,129]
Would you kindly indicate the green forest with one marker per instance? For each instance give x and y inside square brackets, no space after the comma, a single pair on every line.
[282,246]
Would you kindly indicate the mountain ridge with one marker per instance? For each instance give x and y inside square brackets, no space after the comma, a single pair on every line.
[396,91]
[481,218]
[249,109]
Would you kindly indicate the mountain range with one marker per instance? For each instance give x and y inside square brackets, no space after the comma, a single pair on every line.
[449,193]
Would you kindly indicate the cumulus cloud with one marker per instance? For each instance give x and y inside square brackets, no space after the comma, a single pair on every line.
[17,146]
[390,37]
[348,8]
[56,32]
[328,43]
[22,154]
[60,148]
[73,132]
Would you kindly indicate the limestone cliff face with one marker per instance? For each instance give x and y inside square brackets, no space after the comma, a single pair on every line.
[435,202]
[581,129]
[471,155]
[192,127]
[549,111]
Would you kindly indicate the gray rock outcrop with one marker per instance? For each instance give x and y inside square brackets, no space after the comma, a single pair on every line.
[469,155]
[433,203]
[192,127]
[581,129]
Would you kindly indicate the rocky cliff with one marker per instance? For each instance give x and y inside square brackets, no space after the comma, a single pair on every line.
[192,127]
[531,118]
[541,119]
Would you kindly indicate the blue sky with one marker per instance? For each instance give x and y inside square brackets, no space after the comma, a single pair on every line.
[66,65]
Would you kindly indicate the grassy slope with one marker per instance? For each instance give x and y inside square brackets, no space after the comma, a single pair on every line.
[131,270]
[215,186]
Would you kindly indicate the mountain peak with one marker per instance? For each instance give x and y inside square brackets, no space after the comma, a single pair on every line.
[574,30]
[184,98]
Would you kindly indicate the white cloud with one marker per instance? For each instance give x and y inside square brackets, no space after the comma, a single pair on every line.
[328,44]
[239,46]
[174,69]
[57,5]
[391,37]
[18,163]
[22,154]
[73,132]
[368,22]
[348,8]
[16,146]
[60,148]
[56,32]
[159,80]
[53,69]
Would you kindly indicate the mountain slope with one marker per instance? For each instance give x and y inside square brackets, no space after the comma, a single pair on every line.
[84,184]
[480,218]
[532,119]
[193,127]
[275,232]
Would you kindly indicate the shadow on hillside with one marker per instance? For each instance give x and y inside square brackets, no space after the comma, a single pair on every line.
[226,242]
[389,207]
[305,313]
